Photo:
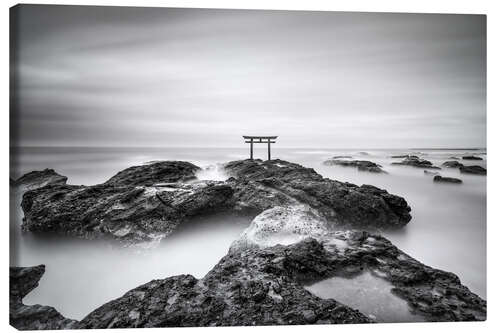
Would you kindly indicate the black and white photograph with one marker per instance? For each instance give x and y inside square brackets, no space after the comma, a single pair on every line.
[197,167]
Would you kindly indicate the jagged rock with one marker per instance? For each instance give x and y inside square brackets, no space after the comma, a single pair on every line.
[157,172]
[473,158]
[416,162]
[146,203]
[32,317]
[261,185]
[37,179]
[265,286]
[439,179]
[452,164]
[431,173]
[126,213]
[473,169]
[361,165]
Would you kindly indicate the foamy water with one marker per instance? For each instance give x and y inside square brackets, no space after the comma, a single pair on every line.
[448,229]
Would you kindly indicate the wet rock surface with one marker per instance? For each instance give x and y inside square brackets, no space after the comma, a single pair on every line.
[472,158]
[360,165]
[473,169]
[37,179]
[452,164]
[261,185]
[417,162]
[156,172]
[32,317]
[129,213]
[147,203]
[440,179]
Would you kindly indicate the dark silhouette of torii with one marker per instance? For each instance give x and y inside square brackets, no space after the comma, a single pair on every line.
[260,139]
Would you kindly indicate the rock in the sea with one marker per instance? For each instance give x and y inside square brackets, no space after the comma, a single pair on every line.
[440,179]
[127,213]
[156,172]
[361,165]
[404,156]
[32,317]
[416,162]
[341,156]
[452,164]
[473,169]
[265,286]
[472,158]
[262,185]
[431,173]
[146,203]
[37,179]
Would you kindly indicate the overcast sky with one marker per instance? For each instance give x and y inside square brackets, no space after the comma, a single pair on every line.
[110,76]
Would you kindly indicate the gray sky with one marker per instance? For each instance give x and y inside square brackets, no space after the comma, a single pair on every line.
[110,76]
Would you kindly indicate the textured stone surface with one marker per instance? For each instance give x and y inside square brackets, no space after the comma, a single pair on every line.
[473,169]
[32,317]
[360,165]
[440,179]
[417,162]
[261,185]
[37,179]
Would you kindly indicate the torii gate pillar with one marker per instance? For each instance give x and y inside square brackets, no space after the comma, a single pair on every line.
[260,139]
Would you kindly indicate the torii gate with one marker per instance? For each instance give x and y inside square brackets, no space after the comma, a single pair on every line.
[259,139]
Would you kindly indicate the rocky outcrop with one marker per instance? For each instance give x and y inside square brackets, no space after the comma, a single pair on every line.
[265,286]
[127,213]
[473,169]
[472,158]
[360,165]
[440,179]
[452,164]
[146,203]
[154,173]
[32,317]
[417,162]
[37,179]
[261,185]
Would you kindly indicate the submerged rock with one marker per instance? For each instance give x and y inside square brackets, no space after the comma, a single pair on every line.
[439,179]
[32,317]
[417,162]
[472,158]
[452,164]
[473,169]
[37,179]
[341,156]
[262,185]
[361,165]
[431,173]
[404,156]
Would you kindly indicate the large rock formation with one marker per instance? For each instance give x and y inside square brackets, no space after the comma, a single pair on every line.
[360,165]
[148,202]
[262,285]
[122,208]
[261,185]
[32,317]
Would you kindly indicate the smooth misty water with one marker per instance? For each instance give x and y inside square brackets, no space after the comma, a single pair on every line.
[369,294]
[448,229]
